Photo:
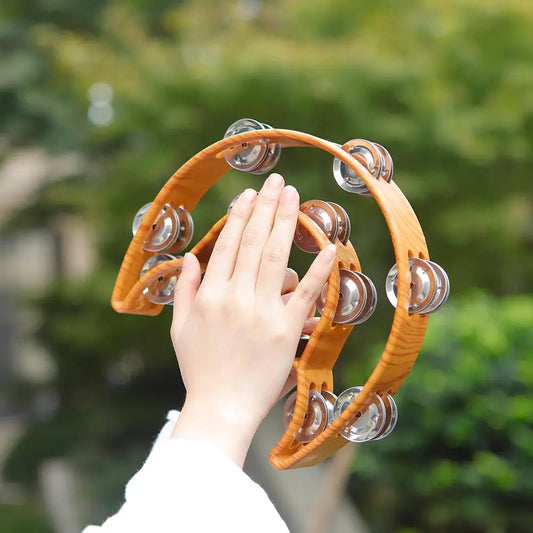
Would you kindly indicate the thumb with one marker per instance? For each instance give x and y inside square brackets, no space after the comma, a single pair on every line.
[185,291]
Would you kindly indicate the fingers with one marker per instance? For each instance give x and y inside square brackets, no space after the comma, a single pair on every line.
[309,288]
[257,232]
[222,262]
[290,281]
[310,325]
[185,291]
[278,246]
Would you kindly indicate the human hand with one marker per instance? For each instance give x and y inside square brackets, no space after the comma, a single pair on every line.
[235,337]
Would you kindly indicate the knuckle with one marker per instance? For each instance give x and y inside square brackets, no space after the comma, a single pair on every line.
[252,237]
[284,215]
[307,294]
[222,246]
[273,254]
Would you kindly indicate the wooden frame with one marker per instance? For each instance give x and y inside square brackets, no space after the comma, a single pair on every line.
[314,368]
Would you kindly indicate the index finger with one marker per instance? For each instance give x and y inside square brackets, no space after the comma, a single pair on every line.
[222,261]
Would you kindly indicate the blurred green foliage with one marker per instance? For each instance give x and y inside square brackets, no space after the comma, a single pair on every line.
[27,518]
[447,88]
[461,456]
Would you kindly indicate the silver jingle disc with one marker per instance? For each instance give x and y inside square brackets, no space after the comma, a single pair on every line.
[352,298]
[137,219]
[347,178]
[370,156]
[325,217]
[343,222]
[232,203]
[316,418]
[330,398]
[250,155]
[388,164]
[442,289]
[391,416]
[186,231]
[371,299]
[423,285]
[369,424]
[165,230]
[161,291]
[270,160]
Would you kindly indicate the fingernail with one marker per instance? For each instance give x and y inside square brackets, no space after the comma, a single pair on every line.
[330,251]
[289,195]
[186,262]
[275,182]
[248,196]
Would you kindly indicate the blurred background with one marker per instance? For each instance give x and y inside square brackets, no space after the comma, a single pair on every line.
[102,100]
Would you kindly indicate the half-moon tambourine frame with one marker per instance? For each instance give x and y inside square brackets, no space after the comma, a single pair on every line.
[314,368]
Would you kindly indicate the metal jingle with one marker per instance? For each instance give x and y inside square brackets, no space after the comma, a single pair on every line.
[371,421]
[369,155]
[316,417]
[138,218]
[270,161]
[161,291]
[442,290]
[165,230]
[330,398]
[352,298]
[232,203]
[325,216]
[371,300]
[185,233]
[343,222]
[387,170]
[391,417]
[250,156]
[423,285]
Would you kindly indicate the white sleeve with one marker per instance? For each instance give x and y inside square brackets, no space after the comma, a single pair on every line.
[189,486]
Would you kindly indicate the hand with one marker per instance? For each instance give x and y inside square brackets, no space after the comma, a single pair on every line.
[234,336]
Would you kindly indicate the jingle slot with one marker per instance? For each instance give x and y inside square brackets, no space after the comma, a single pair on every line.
[391,417]
[316,417]
[357,298]
[325,216]
[302,345]
[257,157]
[160,291]
[372,420]
[429,286]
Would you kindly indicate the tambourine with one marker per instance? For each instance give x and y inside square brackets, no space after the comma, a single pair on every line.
[318,423]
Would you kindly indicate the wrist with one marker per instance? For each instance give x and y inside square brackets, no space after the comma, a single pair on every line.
[221,426]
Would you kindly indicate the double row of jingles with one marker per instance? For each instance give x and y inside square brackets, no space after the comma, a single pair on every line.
[318,423]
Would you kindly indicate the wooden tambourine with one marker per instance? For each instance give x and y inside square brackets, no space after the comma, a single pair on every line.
[318,423]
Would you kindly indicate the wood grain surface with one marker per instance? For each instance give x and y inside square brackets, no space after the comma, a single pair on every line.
[314,368]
